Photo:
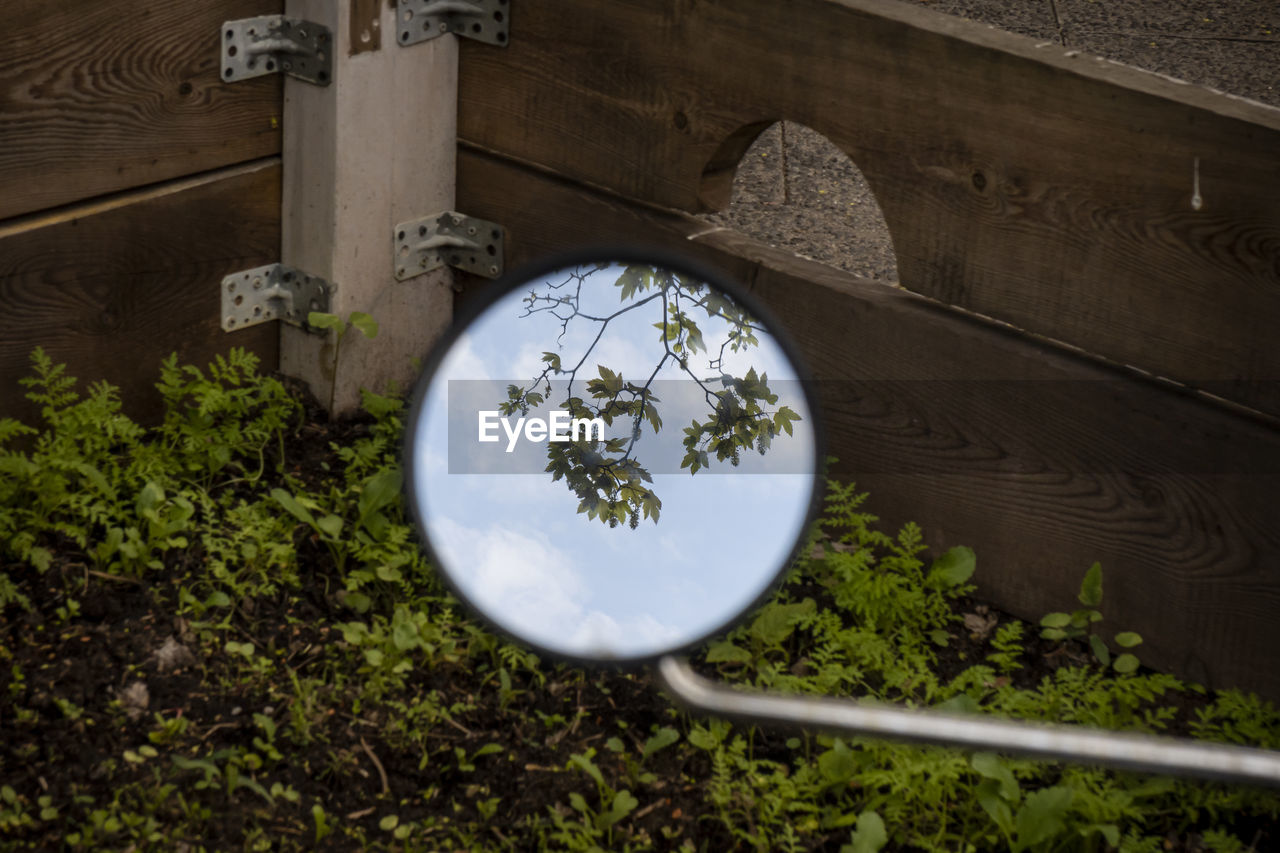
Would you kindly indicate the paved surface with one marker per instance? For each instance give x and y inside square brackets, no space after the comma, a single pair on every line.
[795,190]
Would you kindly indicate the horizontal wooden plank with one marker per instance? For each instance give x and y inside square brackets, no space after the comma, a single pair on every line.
[1045,463]
[1040,460]
[1047,189]
[105,96]
[113,288]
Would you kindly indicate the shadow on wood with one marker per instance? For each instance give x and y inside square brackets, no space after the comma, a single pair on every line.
[1170,493]
[1046,189]
[114,287]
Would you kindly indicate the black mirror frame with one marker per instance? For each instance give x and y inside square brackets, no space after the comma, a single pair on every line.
[519,278]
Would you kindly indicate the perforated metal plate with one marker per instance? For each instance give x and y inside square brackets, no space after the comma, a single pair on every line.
[473,245]
[483,20]
[255,46]
[273,292]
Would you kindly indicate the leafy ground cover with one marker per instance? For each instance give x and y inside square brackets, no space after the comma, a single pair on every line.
[220,634]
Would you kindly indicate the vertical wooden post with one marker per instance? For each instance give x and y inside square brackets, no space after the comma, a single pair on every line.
[374,148]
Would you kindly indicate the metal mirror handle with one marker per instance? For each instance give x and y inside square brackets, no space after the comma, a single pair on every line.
[1147,753]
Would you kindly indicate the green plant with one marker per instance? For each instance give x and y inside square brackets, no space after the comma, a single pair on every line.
[9,594]
[868,835]
[591,825]
[388,648]
[249,554]
[925,798]
[18,681]
[887,612]
[168,729]
[266,743]
[321,819]
[69,709]
[256,665]
[15,810]
[68,611]
[1077,625]
[1024,821]
[327,527]
[225,421]
[230,770]
[80,474]
[507,693]
[763,803]
[1238,717]
[306,710]
[467,763]
[359,519]
[862,613]
[161,522]
[358,319]
[124,498]
[141,754]
[661,738]
[1007,643]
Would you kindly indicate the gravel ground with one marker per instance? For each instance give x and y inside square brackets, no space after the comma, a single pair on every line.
[795,190]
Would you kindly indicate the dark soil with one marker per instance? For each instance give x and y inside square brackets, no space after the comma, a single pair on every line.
[108,663]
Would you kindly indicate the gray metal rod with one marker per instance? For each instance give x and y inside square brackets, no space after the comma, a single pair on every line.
[1147,753]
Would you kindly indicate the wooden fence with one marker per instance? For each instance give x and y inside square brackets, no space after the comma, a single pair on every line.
[1133,219]
[131,180]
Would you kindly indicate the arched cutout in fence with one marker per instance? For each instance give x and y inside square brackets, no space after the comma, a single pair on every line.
[1049,190]
[789,186]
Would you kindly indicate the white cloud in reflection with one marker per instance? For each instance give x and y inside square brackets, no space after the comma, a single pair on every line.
[600,636]
[463,360]
[540,592]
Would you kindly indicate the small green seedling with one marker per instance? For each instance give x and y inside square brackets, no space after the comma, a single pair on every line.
[360,320]
[1077,625]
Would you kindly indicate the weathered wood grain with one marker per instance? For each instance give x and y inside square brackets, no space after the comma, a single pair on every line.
[1045,463]
[114,287]
[105,96]
[1041,460]
[1049,190]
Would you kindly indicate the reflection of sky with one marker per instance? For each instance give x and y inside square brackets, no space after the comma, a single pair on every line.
[516,545]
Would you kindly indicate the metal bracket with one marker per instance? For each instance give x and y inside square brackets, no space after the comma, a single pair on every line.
[273,292]
[482,20]
[255,46]
[473,245]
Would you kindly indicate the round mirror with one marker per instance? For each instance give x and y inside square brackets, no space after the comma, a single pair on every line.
[613,457]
